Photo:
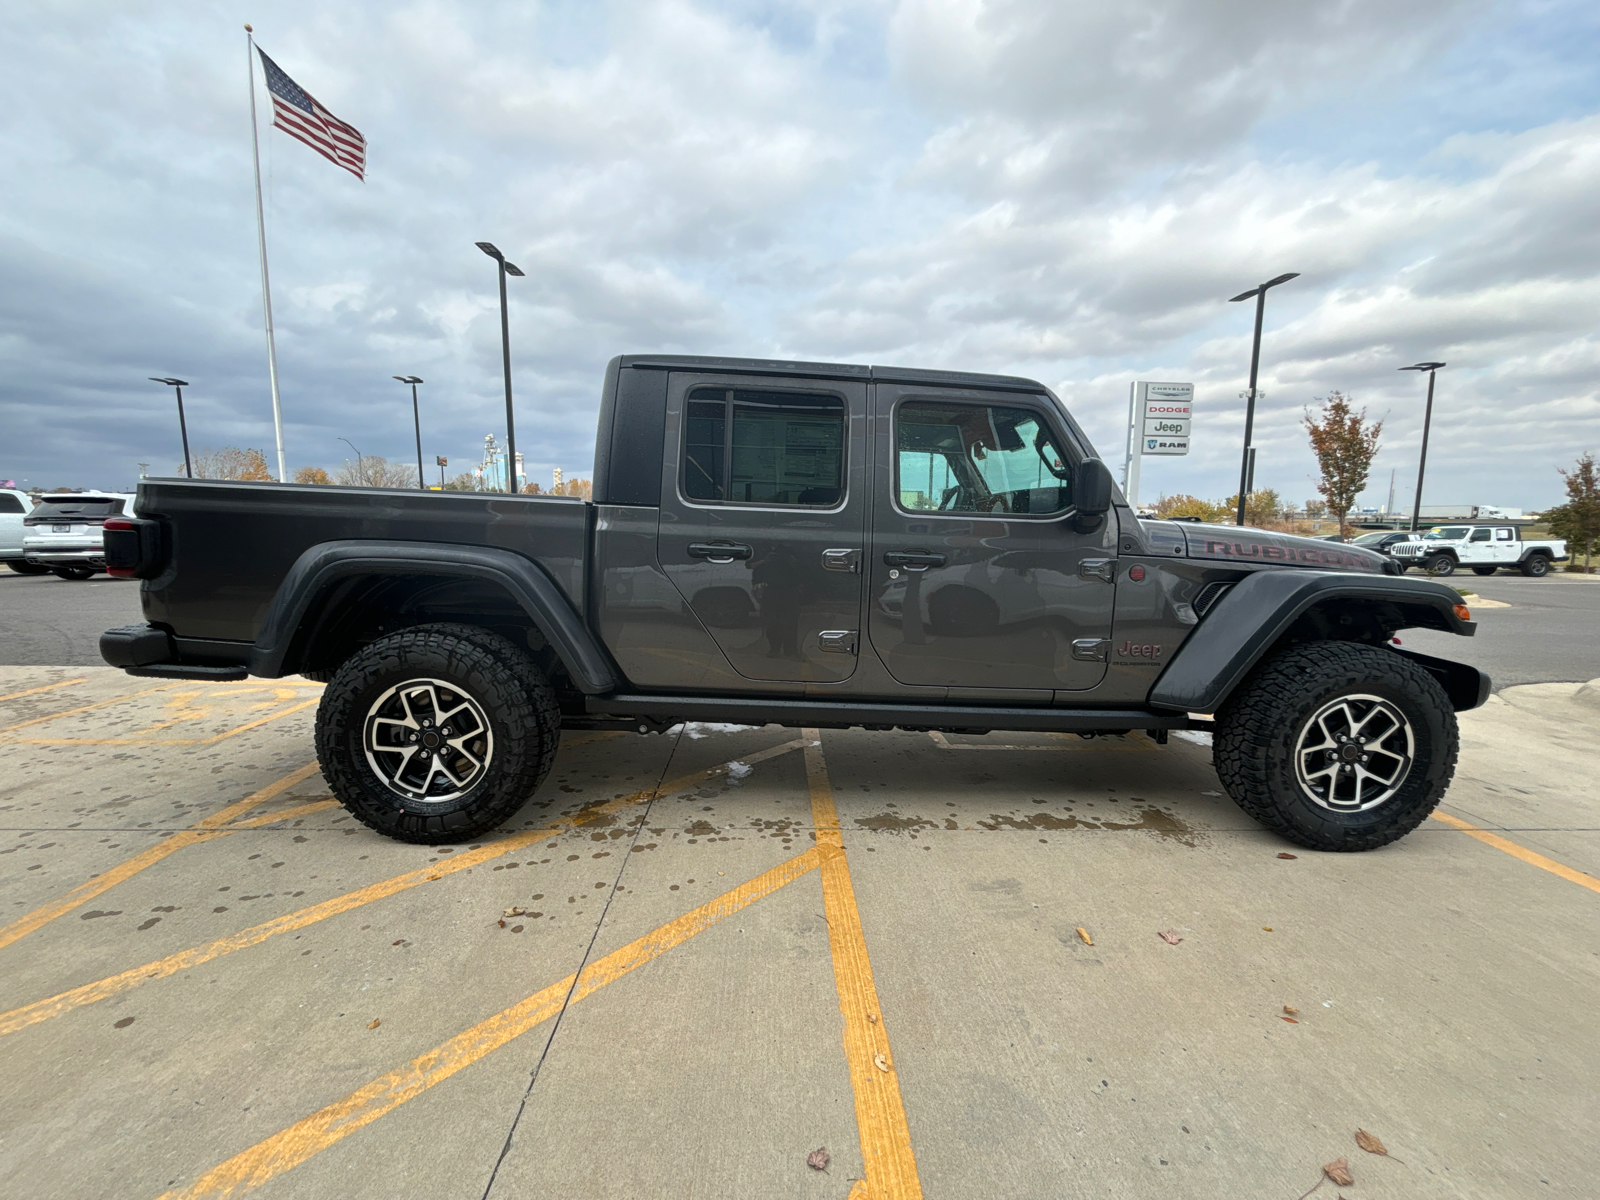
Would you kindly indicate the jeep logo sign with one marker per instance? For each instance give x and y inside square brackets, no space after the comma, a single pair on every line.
[1165,412]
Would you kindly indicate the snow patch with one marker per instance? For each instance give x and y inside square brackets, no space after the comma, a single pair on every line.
[1193,735]
[738,770]
[703,729]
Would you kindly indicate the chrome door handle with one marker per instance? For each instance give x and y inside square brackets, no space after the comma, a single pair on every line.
[1097,568]
[913,560]
[719,552]
[842,560]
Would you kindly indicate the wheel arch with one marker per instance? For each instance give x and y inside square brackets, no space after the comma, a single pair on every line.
[1267,610]
[339,594]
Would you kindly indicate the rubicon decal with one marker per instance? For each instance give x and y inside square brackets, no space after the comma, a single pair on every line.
[1284,552]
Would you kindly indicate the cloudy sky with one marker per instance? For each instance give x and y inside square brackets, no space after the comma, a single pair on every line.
[1065,191]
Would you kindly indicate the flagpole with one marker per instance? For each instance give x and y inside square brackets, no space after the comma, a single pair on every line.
[266,279]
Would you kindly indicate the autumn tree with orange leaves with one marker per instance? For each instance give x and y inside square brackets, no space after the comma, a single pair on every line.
[1345,443]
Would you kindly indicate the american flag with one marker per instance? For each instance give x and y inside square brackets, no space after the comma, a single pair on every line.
[297,113]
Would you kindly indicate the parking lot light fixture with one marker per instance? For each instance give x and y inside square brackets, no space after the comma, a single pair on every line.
[1432,369]
[361,471]
[1245,463]
[417,423]
[506,268]
[183,428]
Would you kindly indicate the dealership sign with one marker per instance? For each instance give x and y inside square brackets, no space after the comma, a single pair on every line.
[1167,410]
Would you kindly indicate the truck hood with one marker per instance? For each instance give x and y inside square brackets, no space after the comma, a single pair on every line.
[1243,544]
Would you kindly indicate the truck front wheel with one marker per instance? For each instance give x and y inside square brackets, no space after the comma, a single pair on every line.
[1441,564]
[1337,746]
[437,733]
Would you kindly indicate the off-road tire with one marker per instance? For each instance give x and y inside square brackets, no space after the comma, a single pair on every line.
[1483,570]
[518,704]
[1440,564]
[1536,566]
[1259,725]
[28,568]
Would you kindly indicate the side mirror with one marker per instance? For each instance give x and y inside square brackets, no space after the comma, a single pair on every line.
[1093,494]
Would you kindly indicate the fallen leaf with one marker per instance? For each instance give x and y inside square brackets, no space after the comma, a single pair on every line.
[501,922]
[880,1062]
[397,941]
[1281,855]
[1291,1020]
[1339,1171]
[375,1023]
[1084,934]
[818,1159]
[1291,1010]
[431,878]
[514,912]
[873,1017]
[1169,936]
[1370,1143]
[1266,929]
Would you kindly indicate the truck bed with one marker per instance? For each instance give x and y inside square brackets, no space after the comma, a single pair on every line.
[234,543]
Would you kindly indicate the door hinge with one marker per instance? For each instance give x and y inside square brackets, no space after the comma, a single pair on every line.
[837,641]
[1091,649]
[1097,568]
[842,560]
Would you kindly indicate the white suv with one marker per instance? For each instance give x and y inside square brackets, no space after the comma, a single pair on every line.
[14,506]
[64,533]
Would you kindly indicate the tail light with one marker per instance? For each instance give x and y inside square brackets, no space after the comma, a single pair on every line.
[132,548]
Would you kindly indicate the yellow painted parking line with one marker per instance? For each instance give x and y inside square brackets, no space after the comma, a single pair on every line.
[165,687]
[314,1134]
[1512,848]
[287,814]
[140,739]
[200,831]
[90,993]
[886,1154]
[49,687]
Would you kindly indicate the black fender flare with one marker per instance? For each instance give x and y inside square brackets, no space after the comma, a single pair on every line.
[323,565]
[1259,609]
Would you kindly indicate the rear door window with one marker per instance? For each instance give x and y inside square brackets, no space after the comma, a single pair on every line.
[10,504]
[773,449]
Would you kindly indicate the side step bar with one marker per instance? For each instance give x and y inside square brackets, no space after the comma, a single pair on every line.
[657,711]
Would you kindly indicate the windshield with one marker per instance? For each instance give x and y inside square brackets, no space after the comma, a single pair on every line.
[1372,539]
[1446,533]
[72,508]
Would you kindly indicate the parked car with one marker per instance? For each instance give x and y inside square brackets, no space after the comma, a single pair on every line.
[825,545]
[14,506]
[1381,539]
[64,531]
[1484,548]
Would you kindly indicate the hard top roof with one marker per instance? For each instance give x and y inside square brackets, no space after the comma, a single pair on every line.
[810,370]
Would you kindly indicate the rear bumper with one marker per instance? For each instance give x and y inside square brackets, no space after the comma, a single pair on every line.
[147,650]
[67,558]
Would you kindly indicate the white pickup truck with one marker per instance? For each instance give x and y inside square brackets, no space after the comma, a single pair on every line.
[1484,548]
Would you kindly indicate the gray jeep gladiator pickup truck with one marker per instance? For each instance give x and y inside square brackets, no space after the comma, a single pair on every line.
[804,544]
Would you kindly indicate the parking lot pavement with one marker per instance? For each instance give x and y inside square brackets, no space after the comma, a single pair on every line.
[1544,634]
[692,960]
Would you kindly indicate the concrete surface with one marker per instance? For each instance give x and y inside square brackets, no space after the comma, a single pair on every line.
[1444,985]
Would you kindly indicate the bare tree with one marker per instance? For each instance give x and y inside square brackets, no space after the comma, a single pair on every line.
[230,462]
[375,471]
[1345,443]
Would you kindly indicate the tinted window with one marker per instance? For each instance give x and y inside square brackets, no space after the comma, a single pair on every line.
[767,448]
[10,504]
[978,458]
[1480,535]
[89,508]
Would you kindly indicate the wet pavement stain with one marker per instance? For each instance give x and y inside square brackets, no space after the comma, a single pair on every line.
[890,823]
[1149,820]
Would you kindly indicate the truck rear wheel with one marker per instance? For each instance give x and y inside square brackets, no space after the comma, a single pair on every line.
[1337,746]
[437,733]
[22,567]
[1483,570]
[1535,565]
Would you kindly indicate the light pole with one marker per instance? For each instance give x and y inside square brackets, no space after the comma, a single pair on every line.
[1260,293]
[361,471]
[505,351]
[416,421]
[183,428]
[1432,369]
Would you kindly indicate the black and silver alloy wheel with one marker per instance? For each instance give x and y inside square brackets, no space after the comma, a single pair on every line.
[428,740]
[1337,745]
[437,733]
[1354,753]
